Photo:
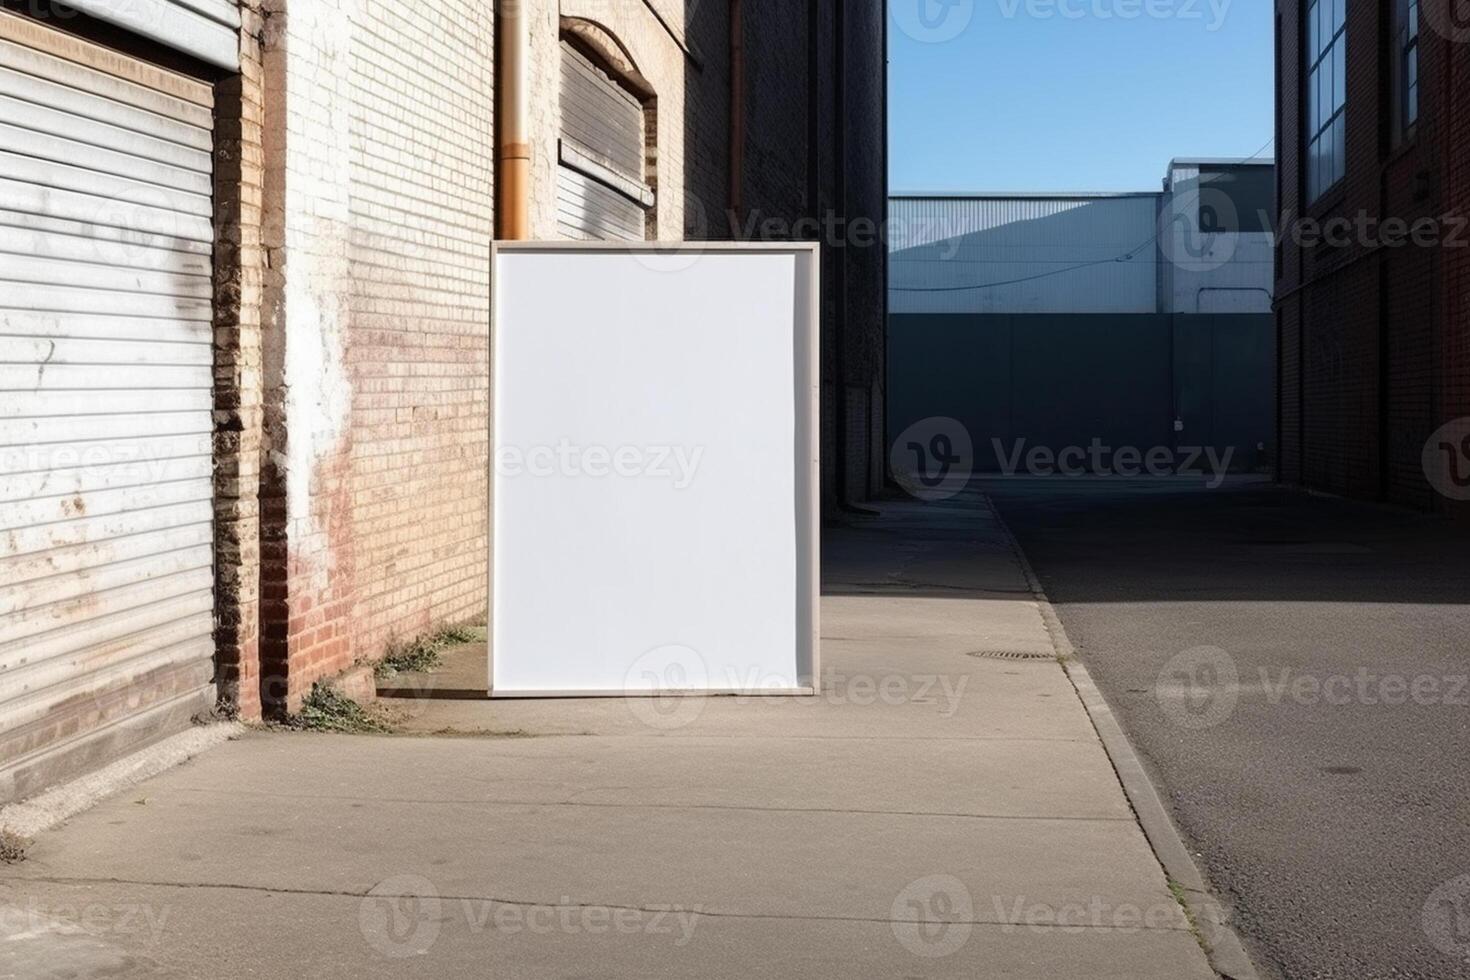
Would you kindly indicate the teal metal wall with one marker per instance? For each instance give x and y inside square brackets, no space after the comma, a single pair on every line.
[1068,379]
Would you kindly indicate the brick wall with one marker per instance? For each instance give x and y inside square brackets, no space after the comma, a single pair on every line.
[1454,341]
[774,189]
[377,217]
[1365,331]
[239,159]
[865,173]
[815,150]
[378,198]
[421,214]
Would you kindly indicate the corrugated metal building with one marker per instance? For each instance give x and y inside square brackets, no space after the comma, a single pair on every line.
[1139,320]
[1054,253]
[1215,245]
[1197,246]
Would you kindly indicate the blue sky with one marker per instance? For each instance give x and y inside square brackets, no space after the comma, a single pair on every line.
[1058,95]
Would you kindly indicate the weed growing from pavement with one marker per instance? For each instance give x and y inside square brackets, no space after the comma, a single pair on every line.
[1177,890]
[425,654]
[326,709]
[12,847]
[488,733]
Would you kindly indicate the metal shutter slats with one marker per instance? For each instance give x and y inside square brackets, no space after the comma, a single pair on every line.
[54,429]
[43,690]
[73,479]
[203,28]
[157,223]
[75,248]
[135,245]
[188,102]
[604,124]
[106,381]
[32,622]
[599,116]
[32,541]
[115,109]
[588,210]
[104,278]
[107,161]
[38,323]
[43,119]
[63,588]
[126,632]
[35,405]
[114,189]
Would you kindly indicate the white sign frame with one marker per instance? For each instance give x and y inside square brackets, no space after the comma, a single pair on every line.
[806,347]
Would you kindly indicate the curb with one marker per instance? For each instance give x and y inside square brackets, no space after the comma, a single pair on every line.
[41,813]
[1226,954]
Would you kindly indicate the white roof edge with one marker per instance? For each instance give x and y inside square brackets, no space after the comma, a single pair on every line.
[1222,162]
[1015,195]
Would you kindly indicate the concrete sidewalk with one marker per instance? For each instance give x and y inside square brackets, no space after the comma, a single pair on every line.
[943,809]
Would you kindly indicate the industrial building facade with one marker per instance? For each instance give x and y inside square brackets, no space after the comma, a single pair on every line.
[244,276]
[1136,322]
[1372,266]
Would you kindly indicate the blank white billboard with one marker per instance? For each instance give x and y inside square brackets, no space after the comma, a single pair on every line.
[654,469]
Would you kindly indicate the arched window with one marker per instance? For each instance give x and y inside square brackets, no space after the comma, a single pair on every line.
[604,189]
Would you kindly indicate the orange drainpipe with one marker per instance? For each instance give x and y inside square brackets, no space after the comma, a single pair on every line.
[512,112]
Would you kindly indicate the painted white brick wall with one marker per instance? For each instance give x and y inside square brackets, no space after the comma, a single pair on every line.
[381,177]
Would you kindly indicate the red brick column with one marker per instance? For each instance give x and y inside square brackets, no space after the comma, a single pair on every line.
[237,373]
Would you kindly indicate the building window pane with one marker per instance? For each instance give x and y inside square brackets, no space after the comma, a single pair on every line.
[1314,93]
[1314,168]
[1339,76]
[1339,149]
[1326,95]
[1325,112]
[1405,71]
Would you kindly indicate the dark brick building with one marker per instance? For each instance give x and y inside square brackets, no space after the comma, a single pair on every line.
[816,167]
[1373,145]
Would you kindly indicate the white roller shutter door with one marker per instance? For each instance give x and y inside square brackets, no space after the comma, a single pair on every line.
[600,192]
[106,537]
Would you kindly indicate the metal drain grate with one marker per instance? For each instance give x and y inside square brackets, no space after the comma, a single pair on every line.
[1009,655]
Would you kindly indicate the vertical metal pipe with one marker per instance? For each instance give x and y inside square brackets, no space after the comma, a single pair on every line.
[512,112]
[737,115]
[839,163]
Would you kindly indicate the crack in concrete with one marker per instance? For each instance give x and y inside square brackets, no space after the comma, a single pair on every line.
[645,909]
[665,806]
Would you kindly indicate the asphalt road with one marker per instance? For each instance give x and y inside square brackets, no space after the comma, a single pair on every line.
[1296,672]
